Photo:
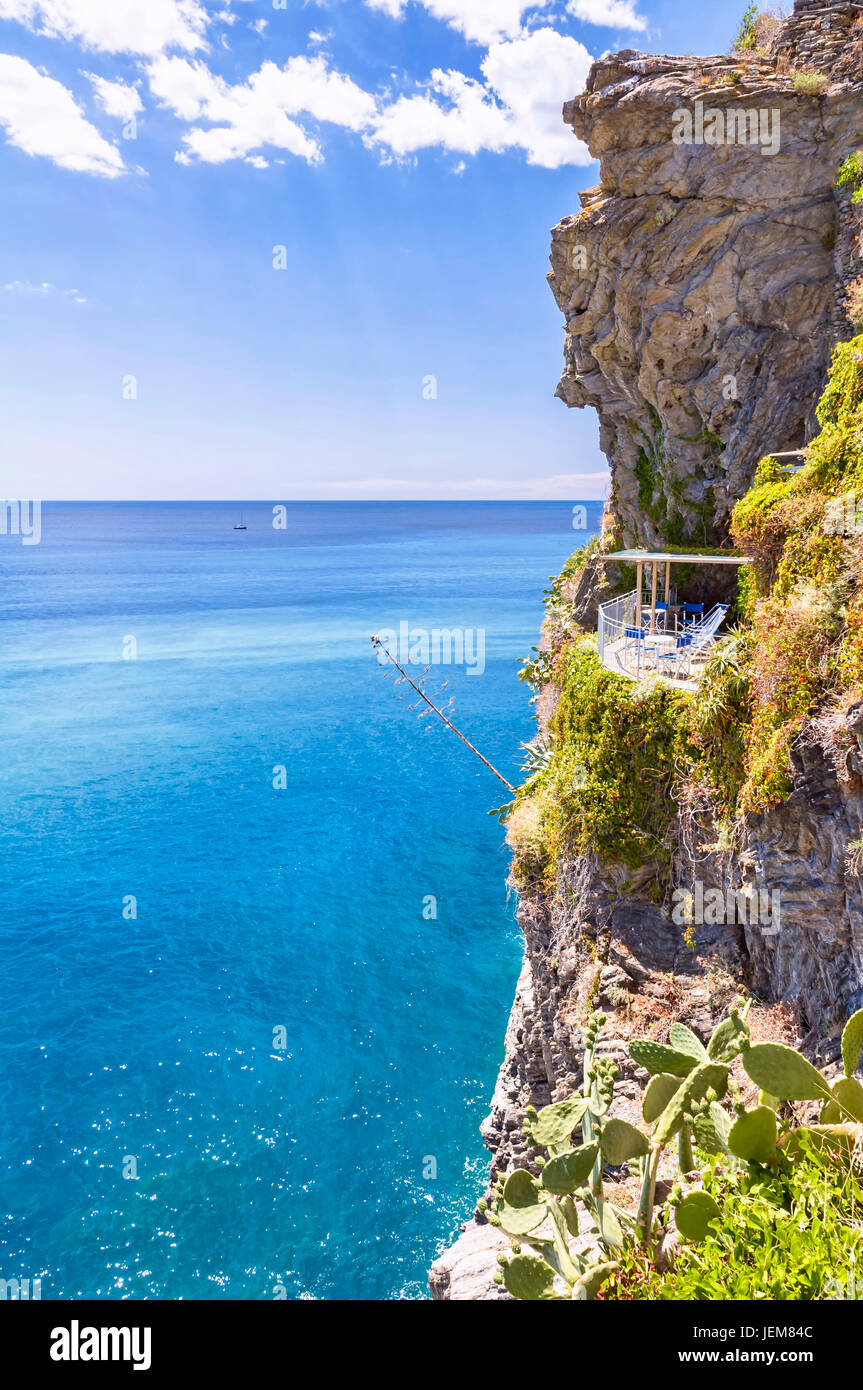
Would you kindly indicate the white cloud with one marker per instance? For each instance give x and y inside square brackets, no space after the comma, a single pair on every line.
[614,14]
[515,105]
[533,77]
[484,21]
[518,106]
[253,114]
[115,26]
[456,112]
[42,118]
[116,98]
[46,288]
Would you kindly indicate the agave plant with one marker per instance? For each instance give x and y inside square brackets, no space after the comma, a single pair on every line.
[538,755]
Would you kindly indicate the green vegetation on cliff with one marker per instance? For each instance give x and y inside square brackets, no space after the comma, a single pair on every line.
[803,600]
[623,756]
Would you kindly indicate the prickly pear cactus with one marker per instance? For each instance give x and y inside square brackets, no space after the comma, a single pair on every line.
[622,1141]
[687,1084]
[692,1216]
[731,1036]
[846,1102]
[682,1039]
[753,1135]
[712,1127]
[657,1094]
[553,1126]
[852,1043]
[529,1278]
[522,1208]
[710,1076]
[656,1057]
[784,1072]
[592,1280]
[567,1172]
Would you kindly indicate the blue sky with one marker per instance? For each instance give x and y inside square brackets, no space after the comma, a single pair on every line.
[409,157]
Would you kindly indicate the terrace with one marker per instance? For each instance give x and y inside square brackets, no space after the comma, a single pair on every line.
[646,632]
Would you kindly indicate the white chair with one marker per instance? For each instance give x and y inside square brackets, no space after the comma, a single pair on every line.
[703,636]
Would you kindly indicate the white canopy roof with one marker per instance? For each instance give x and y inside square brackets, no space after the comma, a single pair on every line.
[676,558]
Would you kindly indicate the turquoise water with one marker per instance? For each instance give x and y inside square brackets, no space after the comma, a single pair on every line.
[335,1166]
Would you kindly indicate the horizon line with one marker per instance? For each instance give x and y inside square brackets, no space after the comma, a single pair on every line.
[311,501]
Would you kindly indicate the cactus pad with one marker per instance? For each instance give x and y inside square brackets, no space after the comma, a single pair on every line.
[588,1286]
[712,1128]
[693,1215]
[784,1073]
[656,1057]
[659,1091]
[554,1124]
[529,1278]
[622,1141]
[682,1039]
[710,1076]
[729,1038]
[608,1225]
[753,1135]
[847,1102]
[522,1208]
[836,1142]
[569,1171]
[852,1042]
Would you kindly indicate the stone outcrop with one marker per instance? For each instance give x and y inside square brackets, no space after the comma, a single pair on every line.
[703,283]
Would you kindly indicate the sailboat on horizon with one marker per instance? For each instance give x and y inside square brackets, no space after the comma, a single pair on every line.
[241,524]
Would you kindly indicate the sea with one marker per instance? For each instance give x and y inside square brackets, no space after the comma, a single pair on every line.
[258,950]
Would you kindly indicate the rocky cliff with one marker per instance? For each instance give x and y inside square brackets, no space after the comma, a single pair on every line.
[704,284]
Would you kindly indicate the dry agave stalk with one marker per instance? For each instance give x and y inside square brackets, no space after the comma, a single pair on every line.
[381,651]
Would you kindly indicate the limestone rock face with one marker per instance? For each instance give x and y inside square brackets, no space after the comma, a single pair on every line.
[465,1272]
[702,283]
[809,849]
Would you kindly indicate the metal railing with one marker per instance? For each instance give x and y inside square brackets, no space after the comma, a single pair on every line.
[627,643]
[615,616]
